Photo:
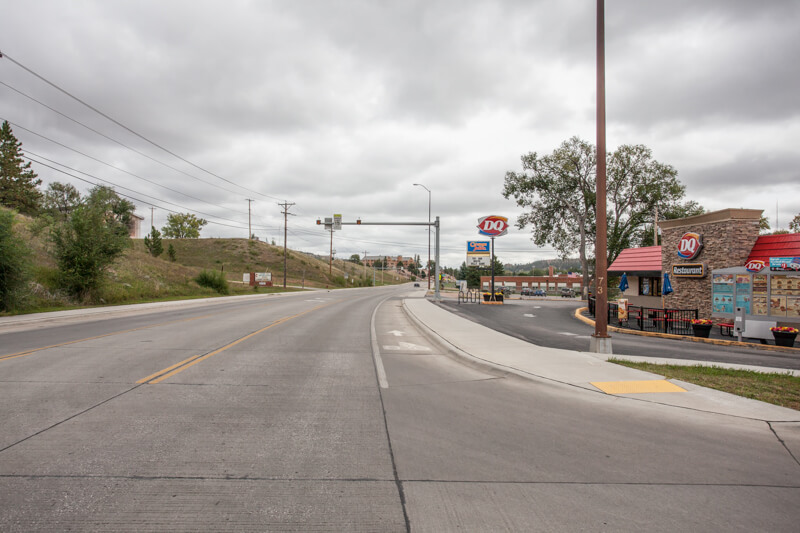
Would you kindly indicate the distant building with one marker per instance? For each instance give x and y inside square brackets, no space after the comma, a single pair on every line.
[551,282]
[388,261]
[135,227]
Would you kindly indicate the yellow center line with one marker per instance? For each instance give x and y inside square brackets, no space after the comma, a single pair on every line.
[168,372]
[6,357]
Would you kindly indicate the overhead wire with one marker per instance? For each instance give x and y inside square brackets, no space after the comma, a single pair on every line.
[106,164]
[126,128]
[139,152]
[129,189]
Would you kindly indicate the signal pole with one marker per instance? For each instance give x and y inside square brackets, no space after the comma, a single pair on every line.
[286,213]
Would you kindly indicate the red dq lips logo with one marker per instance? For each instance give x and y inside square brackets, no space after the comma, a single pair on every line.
[689,245]
[493,226]
[756,265]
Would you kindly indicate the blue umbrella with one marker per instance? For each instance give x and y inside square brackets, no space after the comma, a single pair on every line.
[623,283]
[666,288]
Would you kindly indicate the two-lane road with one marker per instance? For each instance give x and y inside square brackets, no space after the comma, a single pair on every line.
[331,411]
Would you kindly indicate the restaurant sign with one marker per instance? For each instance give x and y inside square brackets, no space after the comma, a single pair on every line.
[690,245]
[689,270]
[755,265]
[784,264]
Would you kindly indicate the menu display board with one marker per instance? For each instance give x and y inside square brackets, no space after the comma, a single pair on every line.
[760,284]
[793,306]
[788,285]
[773,294]
[777,305]
[759,305]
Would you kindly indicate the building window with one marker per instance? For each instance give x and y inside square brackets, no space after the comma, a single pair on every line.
[649,286]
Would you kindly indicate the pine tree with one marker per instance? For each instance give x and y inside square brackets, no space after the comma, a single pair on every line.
[153,242]
[18,183]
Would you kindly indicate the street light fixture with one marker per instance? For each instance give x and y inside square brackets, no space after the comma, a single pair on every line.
[428,268]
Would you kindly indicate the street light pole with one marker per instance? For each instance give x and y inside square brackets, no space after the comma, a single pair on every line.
[428,268]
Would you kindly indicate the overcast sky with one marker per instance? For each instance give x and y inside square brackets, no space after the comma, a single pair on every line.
[341,106]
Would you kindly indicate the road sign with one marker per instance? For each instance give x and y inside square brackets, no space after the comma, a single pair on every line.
[337,222]
[493,226]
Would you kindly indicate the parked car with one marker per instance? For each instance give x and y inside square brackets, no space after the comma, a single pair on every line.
[567,293]
[526,291]
[538,292]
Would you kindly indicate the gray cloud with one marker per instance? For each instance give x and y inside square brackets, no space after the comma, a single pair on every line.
[342,106]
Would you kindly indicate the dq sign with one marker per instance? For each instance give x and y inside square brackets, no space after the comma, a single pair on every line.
[493,226]
[756,265]
[689,246]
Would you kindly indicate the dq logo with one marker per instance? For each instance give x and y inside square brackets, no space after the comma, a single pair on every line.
[689,245]
[493,226]
[756,265]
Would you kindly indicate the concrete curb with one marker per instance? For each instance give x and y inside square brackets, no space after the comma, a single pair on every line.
[718,342]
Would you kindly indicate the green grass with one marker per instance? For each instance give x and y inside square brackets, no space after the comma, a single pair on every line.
[776,388]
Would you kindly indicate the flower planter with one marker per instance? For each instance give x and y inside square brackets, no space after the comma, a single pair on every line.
[701,330]
[498,297]
[784,339]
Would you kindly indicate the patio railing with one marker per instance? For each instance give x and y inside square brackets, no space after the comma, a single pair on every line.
[675,321]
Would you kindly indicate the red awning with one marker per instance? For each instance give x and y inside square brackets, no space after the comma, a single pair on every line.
[647,259]
[786,245]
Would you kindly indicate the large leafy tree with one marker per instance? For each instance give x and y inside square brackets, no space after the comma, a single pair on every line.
[794,225]
[559,193]
[117,211]
[18,183]
[183,226]
[60,199]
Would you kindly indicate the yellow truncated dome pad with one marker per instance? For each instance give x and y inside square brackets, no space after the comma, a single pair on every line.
[637,387]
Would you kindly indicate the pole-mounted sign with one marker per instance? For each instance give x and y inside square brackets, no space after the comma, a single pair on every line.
[493,226]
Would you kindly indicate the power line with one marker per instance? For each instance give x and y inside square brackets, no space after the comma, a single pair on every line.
[127,195]
[110,139]
[107,164]
[126,128]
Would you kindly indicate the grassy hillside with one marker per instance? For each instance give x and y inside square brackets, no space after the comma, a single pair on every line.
[137,276]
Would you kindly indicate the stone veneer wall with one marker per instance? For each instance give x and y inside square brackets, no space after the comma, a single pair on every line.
[726,243]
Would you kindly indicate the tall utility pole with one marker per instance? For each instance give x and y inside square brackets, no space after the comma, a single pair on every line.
[365,263]
[601,342]
[286,213]
[151,216]
[655,229]
[249,227]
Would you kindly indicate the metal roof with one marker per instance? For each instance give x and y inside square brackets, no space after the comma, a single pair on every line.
[647,259]
[782,245]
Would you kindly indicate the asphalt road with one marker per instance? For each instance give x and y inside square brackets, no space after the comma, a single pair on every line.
[295,413]
[547,322]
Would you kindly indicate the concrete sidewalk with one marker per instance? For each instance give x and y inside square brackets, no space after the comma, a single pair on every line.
[483,346]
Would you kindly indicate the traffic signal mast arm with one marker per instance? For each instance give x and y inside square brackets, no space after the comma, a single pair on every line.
[435,224]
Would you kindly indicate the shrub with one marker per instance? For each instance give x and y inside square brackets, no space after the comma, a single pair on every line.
[213,279]
[14,260]
[85,246]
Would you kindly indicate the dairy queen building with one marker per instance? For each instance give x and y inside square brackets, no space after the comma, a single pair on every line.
[718,264]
